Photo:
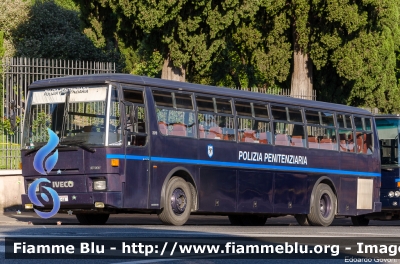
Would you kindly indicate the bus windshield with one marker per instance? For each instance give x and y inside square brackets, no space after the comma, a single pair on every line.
[388,133]
[77,115]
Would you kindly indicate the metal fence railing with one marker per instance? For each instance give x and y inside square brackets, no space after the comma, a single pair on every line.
[18,74]
[283,92]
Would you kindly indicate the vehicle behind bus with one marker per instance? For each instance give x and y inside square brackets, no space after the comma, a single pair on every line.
[131,144]
[388,127]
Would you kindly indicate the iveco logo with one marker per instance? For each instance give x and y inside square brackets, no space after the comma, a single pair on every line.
[63,184]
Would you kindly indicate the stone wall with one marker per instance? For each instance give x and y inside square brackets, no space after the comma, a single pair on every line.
[11,188]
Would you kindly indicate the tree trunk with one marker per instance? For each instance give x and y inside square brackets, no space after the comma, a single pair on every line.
[302,77]
[170,72]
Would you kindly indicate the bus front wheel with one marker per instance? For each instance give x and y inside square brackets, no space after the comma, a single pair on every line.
[92,219]
[177,202]
[323,208]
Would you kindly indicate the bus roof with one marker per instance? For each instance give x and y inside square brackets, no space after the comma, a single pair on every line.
[205,89]
[395,116]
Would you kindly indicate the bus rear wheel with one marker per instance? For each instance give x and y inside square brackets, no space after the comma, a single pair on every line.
[92,219]
[177,202]
[323,208]
[359,220]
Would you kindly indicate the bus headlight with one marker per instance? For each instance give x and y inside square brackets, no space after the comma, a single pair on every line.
[397,193]
[391,194]
[99,185]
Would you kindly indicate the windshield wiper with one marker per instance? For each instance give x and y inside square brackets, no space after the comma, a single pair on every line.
[78,144]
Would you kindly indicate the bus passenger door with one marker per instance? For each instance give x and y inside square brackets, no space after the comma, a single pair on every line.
[137,149]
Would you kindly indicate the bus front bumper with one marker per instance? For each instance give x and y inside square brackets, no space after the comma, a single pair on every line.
[78,200]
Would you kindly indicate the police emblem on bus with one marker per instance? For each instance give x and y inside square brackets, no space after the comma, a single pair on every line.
[210,150]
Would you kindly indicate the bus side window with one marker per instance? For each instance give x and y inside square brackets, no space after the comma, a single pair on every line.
[321,132]
[175,113]
[346,139]
[135,118]
[215,118]
[288,126]
[253,124]
[364,135]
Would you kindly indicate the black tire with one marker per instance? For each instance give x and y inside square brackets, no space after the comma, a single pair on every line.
[177,202]
[302,219]
[92,219]
[254,220]
[235,220]
[323,207]
[359,220]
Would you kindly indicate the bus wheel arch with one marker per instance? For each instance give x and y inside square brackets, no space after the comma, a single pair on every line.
[326,180]
[323,203]
[326,191]
[186,175]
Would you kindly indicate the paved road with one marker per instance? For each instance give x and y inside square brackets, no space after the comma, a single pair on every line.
[207,227]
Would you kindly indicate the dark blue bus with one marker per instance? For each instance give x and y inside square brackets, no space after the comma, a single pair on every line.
[388,127]
[131,144]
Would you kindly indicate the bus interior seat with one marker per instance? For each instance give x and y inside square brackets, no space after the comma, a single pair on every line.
[263,138]
[281,140]
[343,142]
[141,127]
[202,133]
[297,141]
[313,142]
[87,128]
[365,144]
[326,143]
[359,142]
[178,130]
[163,128]
[249,136]
[215,133]
[350,143]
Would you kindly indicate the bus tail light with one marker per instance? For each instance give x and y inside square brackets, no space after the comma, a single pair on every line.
[99,185]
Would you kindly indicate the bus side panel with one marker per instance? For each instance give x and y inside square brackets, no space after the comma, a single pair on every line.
[255,191]
[218,190]
[160,171]
[347,203]
[291,193]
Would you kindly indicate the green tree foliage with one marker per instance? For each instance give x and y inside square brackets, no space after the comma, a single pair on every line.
[352,43]
[13,13]
[231,43]
[54,32]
